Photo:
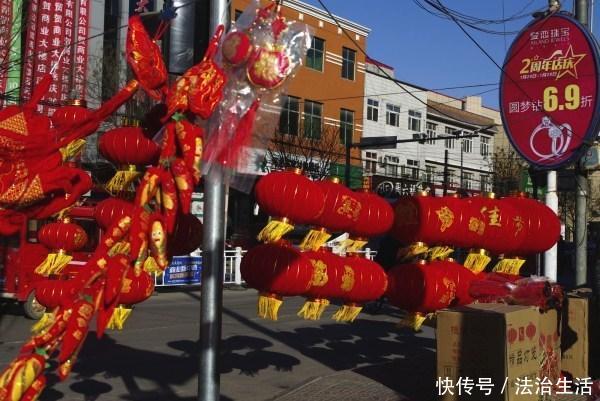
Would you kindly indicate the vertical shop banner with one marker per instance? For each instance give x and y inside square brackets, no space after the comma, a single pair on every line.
[81,47]
[13,76]
[30,56]
[5,43]
[67,59]
[55,52]
[42,45]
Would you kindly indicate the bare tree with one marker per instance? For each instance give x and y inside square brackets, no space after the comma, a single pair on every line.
[508,167]
[315,155]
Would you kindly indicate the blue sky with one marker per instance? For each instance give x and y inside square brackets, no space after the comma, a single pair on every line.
[432,52]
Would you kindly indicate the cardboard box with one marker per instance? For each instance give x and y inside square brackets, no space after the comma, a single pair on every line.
[576,334]
[496,343]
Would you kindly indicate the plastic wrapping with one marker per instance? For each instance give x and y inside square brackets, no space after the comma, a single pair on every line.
[258,55]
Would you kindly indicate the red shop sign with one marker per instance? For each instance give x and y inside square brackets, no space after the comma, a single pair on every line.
[549,91]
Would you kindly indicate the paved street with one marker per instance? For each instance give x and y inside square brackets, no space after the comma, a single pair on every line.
[154,358]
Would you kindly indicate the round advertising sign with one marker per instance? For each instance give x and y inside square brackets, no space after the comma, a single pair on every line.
[549,91]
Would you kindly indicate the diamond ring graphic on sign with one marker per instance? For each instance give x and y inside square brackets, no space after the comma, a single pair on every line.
[560,135]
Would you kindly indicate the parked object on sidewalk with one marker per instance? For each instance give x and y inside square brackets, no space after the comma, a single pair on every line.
[577,333]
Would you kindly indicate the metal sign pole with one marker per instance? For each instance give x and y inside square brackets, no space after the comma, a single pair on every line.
[215,195]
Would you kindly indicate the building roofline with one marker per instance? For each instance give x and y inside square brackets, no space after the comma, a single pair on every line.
[322,14]
[378,63]
[460,99]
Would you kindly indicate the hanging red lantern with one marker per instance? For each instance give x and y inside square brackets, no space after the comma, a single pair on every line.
[62,238]
[289,198]
[187,235]
[423,288]
[375,218]
[541,223]
[326,283]
[276,270]
[127,147]
[136,288]
[340,213]
[66,117]
[421,221]
[53,293]
[362,281]
[110,210]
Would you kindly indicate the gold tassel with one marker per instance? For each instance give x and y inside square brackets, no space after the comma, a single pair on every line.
[274,230]
[151,266]
[54,263]
[476,261]
[314,240]
[356,245]
[118,318]
[268,306]
[439,253]
[313,309]
[122,180]
[347,313]
[72,149]
[414,320]
[44,323]
[121,247]
[509,266]
[412,250]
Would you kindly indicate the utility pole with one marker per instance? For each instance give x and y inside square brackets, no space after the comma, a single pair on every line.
[581,12]
[213,247]
[445,183]
[461,164]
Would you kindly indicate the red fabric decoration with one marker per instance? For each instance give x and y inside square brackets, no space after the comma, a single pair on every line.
[375,217]
[136,288]
[267,68]
[187,235]
[64,236]
[341,206]
[111,210]
[128,145]
[289,194]
[236,48]
[189,139]
[145,58]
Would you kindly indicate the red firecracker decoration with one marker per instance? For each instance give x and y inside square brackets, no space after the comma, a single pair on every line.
[127,147]
[62,238]
[362,281]
[326,283]
[289,198]
[276,270]
[340,213]
[423,288]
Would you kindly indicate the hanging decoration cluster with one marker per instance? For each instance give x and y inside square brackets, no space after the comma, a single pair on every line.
[147,219]
[278,269]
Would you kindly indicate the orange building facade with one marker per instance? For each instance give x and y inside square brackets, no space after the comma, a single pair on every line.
[325,98]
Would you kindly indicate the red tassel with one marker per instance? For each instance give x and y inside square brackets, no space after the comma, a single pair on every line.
[231,153]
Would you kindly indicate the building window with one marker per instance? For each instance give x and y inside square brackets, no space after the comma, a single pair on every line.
[391,166]
[370,162]
[346,126]
[485,183]
[314,55]
[467,180]
[313,112]
[392,115]
[449,142]
[414,120]
[372,110]
[431,133]
[430,174]
[467,145]
[451,178]
[484,145]
[348,61]
[413,166]
[290,115]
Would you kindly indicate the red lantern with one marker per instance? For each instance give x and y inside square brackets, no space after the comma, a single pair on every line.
[340,213]
[422,288]
[375,218]
[363,280]
[540,222]
[276,270]
[326,283]
[61,237]
[289,198]
[136,289]
[66,117]
[127,147]
[110,210]
[53,293]
[187,235]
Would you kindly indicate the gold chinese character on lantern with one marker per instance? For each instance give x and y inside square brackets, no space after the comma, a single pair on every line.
[519,224]
[493,216]
[446,217]
[347,279]
[476,225]
[319,277]
[350,207]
